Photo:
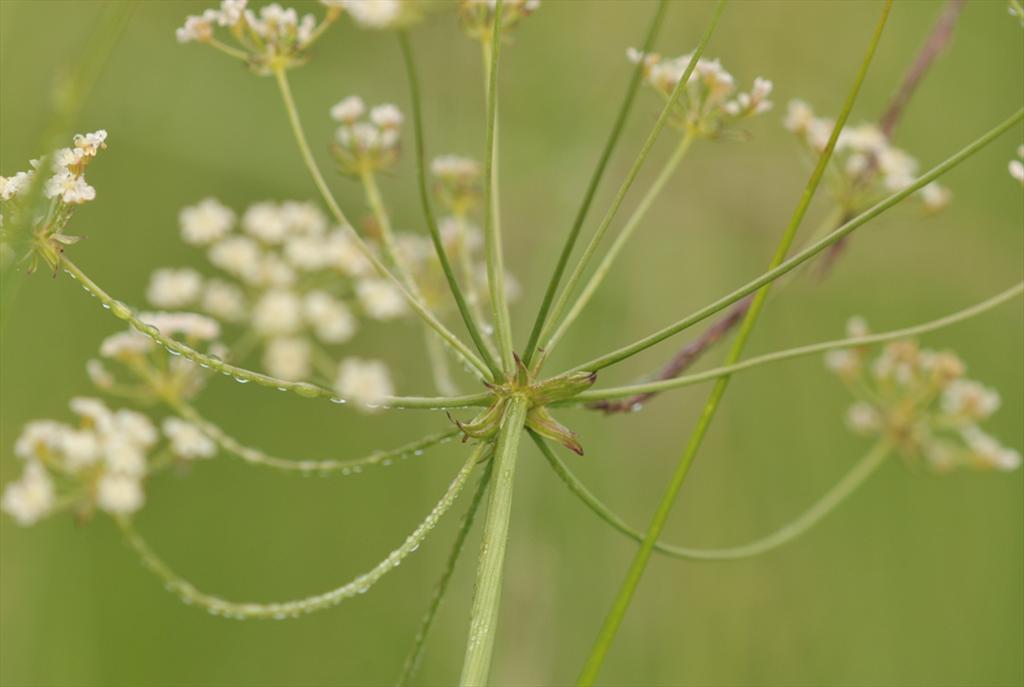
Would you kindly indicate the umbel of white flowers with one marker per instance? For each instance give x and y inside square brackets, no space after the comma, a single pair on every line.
[66,182]
[920,400]
[100,463]
[710,105]
[867,166]
[1017,166]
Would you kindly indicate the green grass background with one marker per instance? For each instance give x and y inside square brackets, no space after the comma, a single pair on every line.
[917,581]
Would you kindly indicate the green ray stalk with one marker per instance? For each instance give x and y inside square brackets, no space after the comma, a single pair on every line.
[318,180]
[492,219]
[592,667]
[595,180]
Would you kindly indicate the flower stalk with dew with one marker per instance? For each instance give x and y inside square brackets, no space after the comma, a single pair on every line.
[592,667]
[297,607]
[243,375]
[412,661]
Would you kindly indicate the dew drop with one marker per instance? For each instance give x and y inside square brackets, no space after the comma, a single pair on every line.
[120,310]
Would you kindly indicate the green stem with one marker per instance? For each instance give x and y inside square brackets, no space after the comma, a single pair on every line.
[618,612]
[804,255]
[438,362]
[810,349]
[387,236]
[492,219]
[620,241]
[595,180]
[291,609]
[228,50]
[318,180]
[469,275]
[242,375]
[588,253]
[821,508]
[483,623]
[472,325]
[412,662]
[350,466]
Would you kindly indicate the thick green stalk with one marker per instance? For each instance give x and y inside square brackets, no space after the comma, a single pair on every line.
[821,508]
[483,624]
[472,325]
[318,180]
[240,374]
[804,255]
[570,285]
[412,662]
[618,612]
[595,180]
[620,241]
[798,352]
[492,219]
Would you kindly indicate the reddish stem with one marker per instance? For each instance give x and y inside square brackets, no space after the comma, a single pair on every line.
[938,39]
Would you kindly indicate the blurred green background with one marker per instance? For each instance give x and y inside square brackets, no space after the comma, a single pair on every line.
[917,581]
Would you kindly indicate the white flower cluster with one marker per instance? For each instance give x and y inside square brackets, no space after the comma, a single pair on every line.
[67,183]
[273,36]
[364,382]
[477,16]
[921,401]
[101,462]
[1017,166]
[458,187]
[365,142]
[457,182]
[286,276]
[377,14]
[132,352]
[868,165]
[710,102]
